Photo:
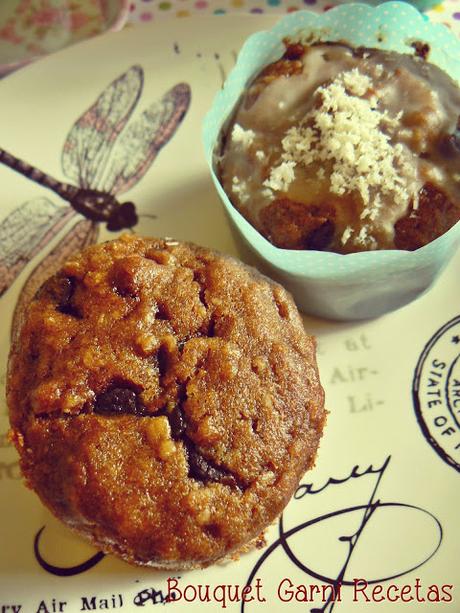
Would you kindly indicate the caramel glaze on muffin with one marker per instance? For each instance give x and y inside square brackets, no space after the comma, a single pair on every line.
[164,400]
[341,149]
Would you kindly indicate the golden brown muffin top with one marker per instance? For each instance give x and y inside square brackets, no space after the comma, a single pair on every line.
[165,399]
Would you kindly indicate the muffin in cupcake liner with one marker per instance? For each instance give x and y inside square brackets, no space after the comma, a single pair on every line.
[358,285]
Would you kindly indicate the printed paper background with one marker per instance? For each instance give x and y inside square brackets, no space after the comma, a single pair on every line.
[379,474]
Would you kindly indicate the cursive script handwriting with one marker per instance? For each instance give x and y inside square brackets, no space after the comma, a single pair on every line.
[64,571]
[367,511]
[356,473]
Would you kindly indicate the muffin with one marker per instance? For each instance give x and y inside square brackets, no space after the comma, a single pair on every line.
[357,281]
[164,400]
[346,149]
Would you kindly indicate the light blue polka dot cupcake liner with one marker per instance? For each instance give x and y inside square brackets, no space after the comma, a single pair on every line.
[358,285]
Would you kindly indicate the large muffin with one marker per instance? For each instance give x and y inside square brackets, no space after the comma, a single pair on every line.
[164,400]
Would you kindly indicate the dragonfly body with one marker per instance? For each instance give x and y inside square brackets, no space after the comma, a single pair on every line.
[91,203]
[62,189]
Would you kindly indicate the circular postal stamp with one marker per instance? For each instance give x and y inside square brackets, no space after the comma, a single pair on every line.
[436,392]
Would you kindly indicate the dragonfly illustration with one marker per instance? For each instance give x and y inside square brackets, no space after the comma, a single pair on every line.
[104,155]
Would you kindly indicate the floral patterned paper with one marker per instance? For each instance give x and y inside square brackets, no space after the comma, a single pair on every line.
[34,27]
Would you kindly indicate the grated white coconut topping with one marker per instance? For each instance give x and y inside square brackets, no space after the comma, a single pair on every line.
[346,234]
[241,136]
[347,129]
[321,173]
[355,82]
[268,194]
[240,189]
[281,176]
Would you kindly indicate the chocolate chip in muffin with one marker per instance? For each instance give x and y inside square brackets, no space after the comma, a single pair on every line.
[177,422]
[201,469]
[61,290]
[294,51]
[118,400]
[321,237]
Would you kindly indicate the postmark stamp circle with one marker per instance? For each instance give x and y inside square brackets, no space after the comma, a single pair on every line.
[436,392]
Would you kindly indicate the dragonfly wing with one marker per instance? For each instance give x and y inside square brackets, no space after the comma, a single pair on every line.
[81,235]
[90,140]
[24,232]
[139,144]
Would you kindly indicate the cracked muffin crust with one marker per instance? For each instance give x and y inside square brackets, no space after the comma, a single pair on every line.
[164,399]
